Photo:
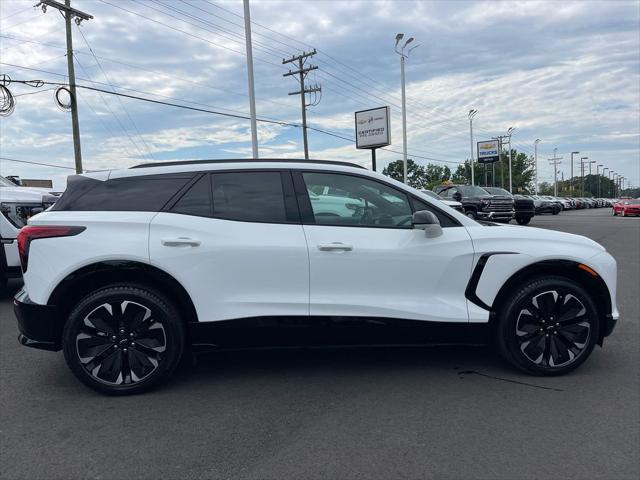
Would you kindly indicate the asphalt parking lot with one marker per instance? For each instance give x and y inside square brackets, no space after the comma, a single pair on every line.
[433,412]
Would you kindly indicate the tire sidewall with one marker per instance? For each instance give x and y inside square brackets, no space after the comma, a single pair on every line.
[508,316]
[161,308]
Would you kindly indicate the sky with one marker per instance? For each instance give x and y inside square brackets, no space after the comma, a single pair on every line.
[567,73]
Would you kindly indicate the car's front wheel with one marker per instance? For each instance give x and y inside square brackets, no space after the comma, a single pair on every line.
[548,326]
[523,220]
[123,339]
[471,214]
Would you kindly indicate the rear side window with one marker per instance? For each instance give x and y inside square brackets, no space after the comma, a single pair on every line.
[249,196]
[197,200]
[134,194]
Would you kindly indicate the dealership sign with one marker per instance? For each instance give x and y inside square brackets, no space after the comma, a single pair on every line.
[488,151]
[372,128]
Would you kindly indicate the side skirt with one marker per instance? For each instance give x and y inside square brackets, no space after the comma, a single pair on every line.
[283,332]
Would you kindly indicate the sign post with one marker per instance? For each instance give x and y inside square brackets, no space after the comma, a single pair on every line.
[373,130]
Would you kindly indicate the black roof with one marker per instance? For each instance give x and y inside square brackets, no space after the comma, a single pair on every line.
[242,160]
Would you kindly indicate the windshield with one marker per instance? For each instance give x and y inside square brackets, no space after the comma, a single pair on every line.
[432,194]
[6,183]
[497,191]
[474,191]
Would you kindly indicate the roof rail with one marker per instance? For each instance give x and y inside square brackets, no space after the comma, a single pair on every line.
[242,160]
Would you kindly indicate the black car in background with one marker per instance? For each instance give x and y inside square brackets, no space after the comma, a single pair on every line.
[478,203]
[524,207]
[546,205]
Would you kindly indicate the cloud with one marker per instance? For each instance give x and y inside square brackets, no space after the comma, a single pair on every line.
[566,72]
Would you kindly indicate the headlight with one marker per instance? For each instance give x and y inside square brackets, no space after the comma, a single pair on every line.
[19,213]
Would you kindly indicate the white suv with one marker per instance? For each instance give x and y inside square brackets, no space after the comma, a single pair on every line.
[17,204]
[131,267]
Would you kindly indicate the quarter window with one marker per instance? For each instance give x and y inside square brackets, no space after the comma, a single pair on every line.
[249,196]
[197,201]
[349,200]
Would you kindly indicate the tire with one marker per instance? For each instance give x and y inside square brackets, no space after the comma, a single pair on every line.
[123,339]
[471,214]
[614,212]
[556,211]
[523,220]
[548,326]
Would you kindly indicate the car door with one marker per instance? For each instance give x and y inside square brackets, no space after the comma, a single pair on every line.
[235,242]
[366,260]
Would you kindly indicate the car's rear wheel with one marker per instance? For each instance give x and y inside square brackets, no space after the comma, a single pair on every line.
[548,326]
[523,220]
[123,339]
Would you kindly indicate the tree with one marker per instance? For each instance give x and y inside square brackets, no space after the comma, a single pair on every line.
[415,173]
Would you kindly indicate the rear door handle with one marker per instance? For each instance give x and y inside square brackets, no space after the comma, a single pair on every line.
[179,242]
[327,247]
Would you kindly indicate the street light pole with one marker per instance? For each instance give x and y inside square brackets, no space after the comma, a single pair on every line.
[400,52]
[582,159]
[472,113]
[611,172]
[509,132]
[571,182]
[598,175]
[535,148]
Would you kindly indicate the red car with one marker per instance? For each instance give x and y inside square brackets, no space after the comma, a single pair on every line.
[631,207]
[619,205]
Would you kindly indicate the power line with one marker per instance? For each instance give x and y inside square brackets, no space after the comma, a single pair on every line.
[135,127]
[35,163]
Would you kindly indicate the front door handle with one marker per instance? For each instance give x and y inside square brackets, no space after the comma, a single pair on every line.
[327,247]
[180,242]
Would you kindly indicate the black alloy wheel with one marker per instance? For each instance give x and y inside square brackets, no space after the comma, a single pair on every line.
[548,327]
[123,339]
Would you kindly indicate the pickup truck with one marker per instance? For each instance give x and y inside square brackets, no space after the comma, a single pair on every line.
[478,203]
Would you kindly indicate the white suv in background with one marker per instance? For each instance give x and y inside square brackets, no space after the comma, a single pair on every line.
[17,205]
[131,267]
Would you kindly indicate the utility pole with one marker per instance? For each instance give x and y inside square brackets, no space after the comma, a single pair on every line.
[303,71]
[535,148]
[252,92]
[70,13]
[555,161]
[571,182]
[500,143]
[472,113]
[509,132]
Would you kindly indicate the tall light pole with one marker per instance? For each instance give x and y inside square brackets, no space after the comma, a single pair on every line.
[535,149]
[571,182]
[252,92]
[403,55]
[582,159]
[590,177]
[610,174]
[598,175]
[509,133]
[472,113]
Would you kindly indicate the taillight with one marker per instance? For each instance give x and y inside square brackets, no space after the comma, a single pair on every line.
[33,232]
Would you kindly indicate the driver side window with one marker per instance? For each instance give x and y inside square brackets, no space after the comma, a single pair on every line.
[350,200]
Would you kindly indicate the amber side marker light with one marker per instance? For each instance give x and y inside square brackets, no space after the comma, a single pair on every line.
[588,270]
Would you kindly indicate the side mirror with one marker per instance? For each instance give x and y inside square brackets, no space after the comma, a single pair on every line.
[457,197]
[427,221]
